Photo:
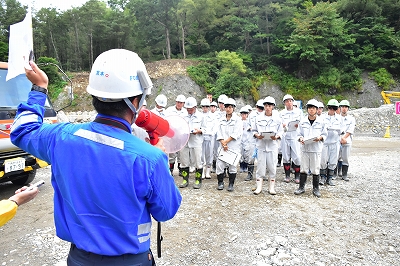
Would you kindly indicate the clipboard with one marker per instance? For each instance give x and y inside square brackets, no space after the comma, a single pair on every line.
[292,125]
[229,156]
[268,135]
[309,140]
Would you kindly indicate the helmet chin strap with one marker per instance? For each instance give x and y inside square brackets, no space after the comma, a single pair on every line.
[133,109]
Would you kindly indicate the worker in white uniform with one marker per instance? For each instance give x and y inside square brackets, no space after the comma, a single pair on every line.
[290,147]
[219,114]
[346,138]
[191,152]
[311,134]
[330,150]
[268,129]
[229,134]
[208,138]
[178,110]
[161,104]
[252,142]
[247,137]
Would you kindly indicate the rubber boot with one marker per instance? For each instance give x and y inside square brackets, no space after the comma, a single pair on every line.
[241,167]
[292,168]
[203,173]
[197,182]
[250,170]
[214,165]
[220,178]
[259,183]
[345,169]
[232,178]
[303,180]
[245,167]
[329,178]
[286,167]
[339,168]
[315,183]
[208,170]
[279,164]
[185,175]
[171,168]
[334,173]
[272,187]
[322,174]
[297,174]
[180,170]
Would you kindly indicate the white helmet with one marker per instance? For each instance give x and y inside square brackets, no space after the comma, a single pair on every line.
[244,110]
[214,104]
[312,102]
[205,102]
[269,99]
[260,103]
[118,74]
[144,102]
[180,98]
[222,98]
[320,105]
[161,100]
[190,102]
[230,101]
[287,96]
[249,107]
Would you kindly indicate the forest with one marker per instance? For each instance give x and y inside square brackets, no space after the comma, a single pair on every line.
[305,46]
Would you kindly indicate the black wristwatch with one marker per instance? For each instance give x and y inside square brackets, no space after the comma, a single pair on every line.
[38,88]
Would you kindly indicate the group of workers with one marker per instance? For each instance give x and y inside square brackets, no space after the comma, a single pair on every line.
[316,143]
[108,183]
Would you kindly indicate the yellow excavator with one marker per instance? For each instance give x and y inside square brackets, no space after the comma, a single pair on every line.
[386,95]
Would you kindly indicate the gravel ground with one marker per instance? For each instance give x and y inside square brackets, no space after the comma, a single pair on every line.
[353,223]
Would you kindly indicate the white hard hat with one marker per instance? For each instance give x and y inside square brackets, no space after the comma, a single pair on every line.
[190,102]
[249,107]
[312,102]
[260,103]
[214,104]
[180,98]
[230,101]
[144,102]
[118,74]
[287,96]
[205,102]
[320,105]
[269,99]
[222,98]
[161,100]
[244,110]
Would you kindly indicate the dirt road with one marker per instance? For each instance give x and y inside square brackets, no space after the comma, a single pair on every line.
[353,223]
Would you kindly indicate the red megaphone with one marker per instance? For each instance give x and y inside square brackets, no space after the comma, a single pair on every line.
[176,131]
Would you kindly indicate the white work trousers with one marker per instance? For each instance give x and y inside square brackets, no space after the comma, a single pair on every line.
[207,151]
[266,160]
[310,162]
[191,155]
[330,155]
[290,151]
[344,153]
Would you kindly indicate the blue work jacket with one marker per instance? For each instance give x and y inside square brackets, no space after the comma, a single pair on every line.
[107,183]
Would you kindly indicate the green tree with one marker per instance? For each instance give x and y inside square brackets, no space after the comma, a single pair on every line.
[319,39]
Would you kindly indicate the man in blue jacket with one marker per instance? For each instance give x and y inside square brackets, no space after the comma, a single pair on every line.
[107,182]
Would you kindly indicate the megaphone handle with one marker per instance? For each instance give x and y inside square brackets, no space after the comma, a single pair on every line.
[153,137]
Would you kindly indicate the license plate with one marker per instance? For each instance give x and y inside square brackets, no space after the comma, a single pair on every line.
[12,165]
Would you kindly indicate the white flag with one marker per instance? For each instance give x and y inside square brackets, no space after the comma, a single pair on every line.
[20,47]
